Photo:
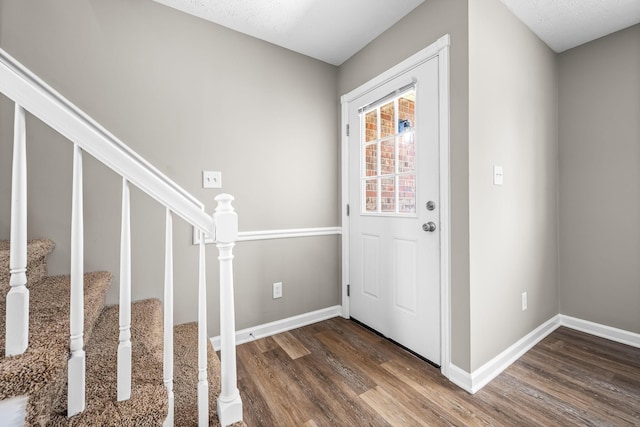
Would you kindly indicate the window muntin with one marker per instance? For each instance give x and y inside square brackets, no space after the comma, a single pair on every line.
[388,157]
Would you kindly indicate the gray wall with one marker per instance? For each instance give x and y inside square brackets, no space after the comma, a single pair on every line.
[514,227]
[423,26]
[188,95]
[599,106]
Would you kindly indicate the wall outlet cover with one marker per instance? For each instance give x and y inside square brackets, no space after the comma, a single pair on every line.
[211,179]
[277,290]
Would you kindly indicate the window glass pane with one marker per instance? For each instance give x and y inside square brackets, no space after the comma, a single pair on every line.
[371,195]
[387,157]
[388,194]
[371,160]
[407,193]
[387,120]
[406,152]
[406,111]
[371,125]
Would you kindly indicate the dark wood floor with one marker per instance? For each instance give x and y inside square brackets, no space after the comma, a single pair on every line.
[336,373]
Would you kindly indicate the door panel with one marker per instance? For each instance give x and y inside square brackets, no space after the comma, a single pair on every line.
[393,173]
[371,260]
[405,275]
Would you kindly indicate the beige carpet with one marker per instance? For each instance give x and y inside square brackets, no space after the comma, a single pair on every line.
[148,403]
[37,251]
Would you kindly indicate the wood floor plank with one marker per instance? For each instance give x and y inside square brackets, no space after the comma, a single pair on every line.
[291,345]
[362,340]
[450,404]
[332,406]
[329,378]
[595,345]
[390,409]
[584,373]
[597,409]
[349,376]
[598,390]
[260,413]
[272,388]
[301,392]
[605,365]
[527,394]
[392,384]
[266,344]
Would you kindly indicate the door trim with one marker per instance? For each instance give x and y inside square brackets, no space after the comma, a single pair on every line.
[440,49]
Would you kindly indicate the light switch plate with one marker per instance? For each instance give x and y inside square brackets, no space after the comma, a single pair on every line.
[277,290]
[211,179]
[498,176]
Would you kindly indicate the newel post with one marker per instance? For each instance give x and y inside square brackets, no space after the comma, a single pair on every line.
[226,221]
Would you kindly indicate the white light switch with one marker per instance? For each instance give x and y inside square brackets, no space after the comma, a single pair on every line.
[277,290]
[498,177]
[211,179]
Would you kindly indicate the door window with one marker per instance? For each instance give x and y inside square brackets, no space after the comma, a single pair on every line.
[388,154]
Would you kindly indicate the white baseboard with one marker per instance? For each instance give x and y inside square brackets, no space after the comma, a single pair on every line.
[461,378]
[272,328]
[482,376]
[473,382]
[602,331]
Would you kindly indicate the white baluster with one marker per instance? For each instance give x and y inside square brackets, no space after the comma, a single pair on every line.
[76,367]
[168,316]
[229,401]
[203,342]
[17,312]
[124,344]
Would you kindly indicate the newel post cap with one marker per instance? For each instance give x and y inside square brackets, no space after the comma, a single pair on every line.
[226,219]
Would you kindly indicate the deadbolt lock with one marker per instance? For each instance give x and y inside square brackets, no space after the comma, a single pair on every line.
[431,205]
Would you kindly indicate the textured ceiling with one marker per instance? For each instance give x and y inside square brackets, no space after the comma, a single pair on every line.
[334,30]
[563,24]
[329,30]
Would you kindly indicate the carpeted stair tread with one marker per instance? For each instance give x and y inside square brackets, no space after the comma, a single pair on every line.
[185,344]
[41,371]
[37,251]
[148,403]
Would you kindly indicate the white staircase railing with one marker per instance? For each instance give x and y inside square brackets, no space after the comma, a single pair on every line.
[31,94]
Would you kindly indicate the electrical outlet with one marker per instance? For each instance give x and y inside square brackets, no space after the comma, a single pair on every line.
[277,290]
[211,179]
[524,301]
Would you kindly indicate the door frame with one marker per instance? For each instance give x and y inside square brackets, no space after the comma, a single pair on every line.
[439,49]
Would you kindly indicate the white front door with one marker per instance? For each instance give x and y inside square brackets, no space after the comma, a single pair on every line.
[394,218]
